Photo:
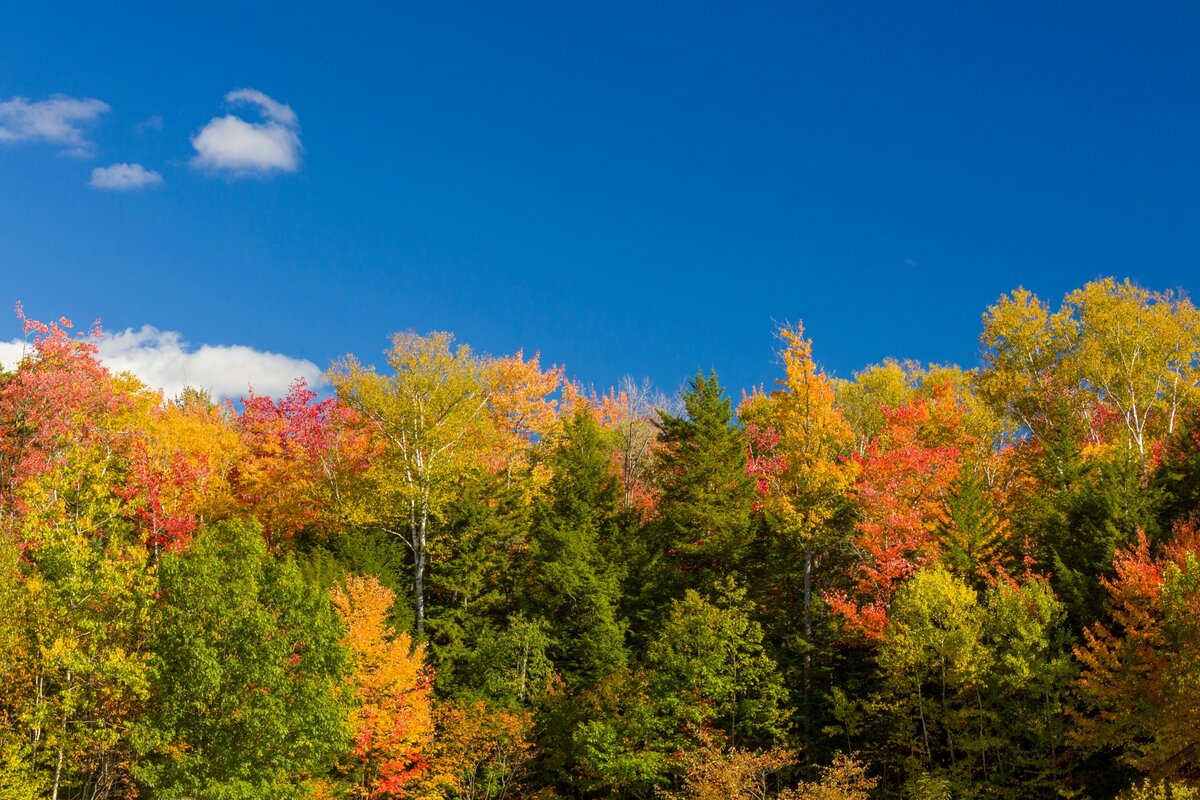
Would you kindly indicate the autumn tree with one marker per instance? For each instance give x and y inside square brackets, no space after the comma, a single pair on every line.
[1138,686]
[77,665]
[479,752]
[799,457]
[430,416]
[390,692]
[301,458]
[631,411]
[64,428]
[905,476]
[1139,351]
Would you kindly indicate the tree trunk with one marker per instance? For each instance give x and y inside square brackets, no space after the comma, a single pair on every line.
[419,559]
[808,629]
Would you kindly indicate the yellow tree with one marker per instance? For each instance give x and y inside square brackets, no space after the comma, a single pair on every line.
[800,443]
[520,408]
[480,752]
[391,717]
[431,419]
[1025,346]
[1139,351]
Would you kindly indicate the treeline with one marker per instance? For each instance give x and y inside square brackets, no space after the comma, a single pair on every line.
[464,576]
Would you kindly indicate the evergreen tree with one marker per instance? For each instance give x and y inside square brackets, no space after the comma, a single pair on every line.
[573,585]
[705,519]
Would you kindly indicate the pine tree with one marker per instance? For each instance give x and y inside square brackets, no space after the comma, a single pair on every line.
[705,519]
[574,587]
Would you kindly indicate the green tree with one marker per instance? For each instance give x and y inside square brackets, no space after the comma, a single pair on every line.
[974,688]
[573,585]
[705,491]
[75,665]
[246,656]
[709,669]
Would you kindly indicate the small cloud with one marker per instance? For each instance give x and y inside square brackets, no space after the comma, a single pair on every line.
[59,120]
[271,109]
[153,123]
[231,145]
[911,262]
[163,360]
[124,178]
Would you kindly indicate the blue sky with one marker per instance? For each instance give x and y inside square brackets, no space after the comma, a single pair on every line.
[626,187]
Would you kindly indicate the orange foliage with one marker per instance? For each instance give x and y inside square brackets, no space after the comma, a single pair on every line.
[392,706]
[479,751]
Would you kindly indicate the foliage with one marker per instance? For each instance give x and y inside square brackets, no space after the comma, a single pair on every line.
[982,582]
[246,656]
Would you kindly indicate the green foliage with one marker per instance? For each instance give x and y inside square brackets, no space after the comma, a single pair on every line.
[706,493]
[621,741]
[974,688]
[246,656]
[1160,790]
[75,662]
[362,552]
[574,587]
[710,670]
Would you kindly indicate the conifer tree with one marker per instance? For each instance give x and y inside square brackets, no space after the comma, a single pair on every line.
[706,494]
[574,587]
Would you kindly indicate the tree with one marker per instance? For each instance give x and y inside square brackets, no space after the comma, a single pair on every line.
[974,687]
[717,773]
[1139,687]
[799,448]
[429,415]
[905,476]
[246,657]
[631,411]
[64,426]
[301,458]
[705,492]
[76,666]
[845,779]
[1139,351]
[573,585]
[479,752]
[390,692]
[709,670]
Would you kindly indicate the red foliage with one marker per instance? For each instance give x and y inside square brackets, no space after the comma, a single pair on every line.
[904,476]
[298,450]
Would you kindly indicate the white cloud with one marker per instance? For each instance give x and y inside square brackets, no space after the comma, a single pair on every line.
[10,354]
[231,145]
[124,178]
[163,359]
[271,109]
[58,120]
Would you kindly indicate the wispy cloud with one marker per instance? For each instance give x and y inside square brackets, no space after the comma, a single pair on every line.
[58,120]
[124,178]
[151,123]
[235,147]
[164,360]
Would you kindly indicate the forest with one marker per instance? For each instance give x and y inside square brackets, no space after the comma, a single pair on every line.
[463,576]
